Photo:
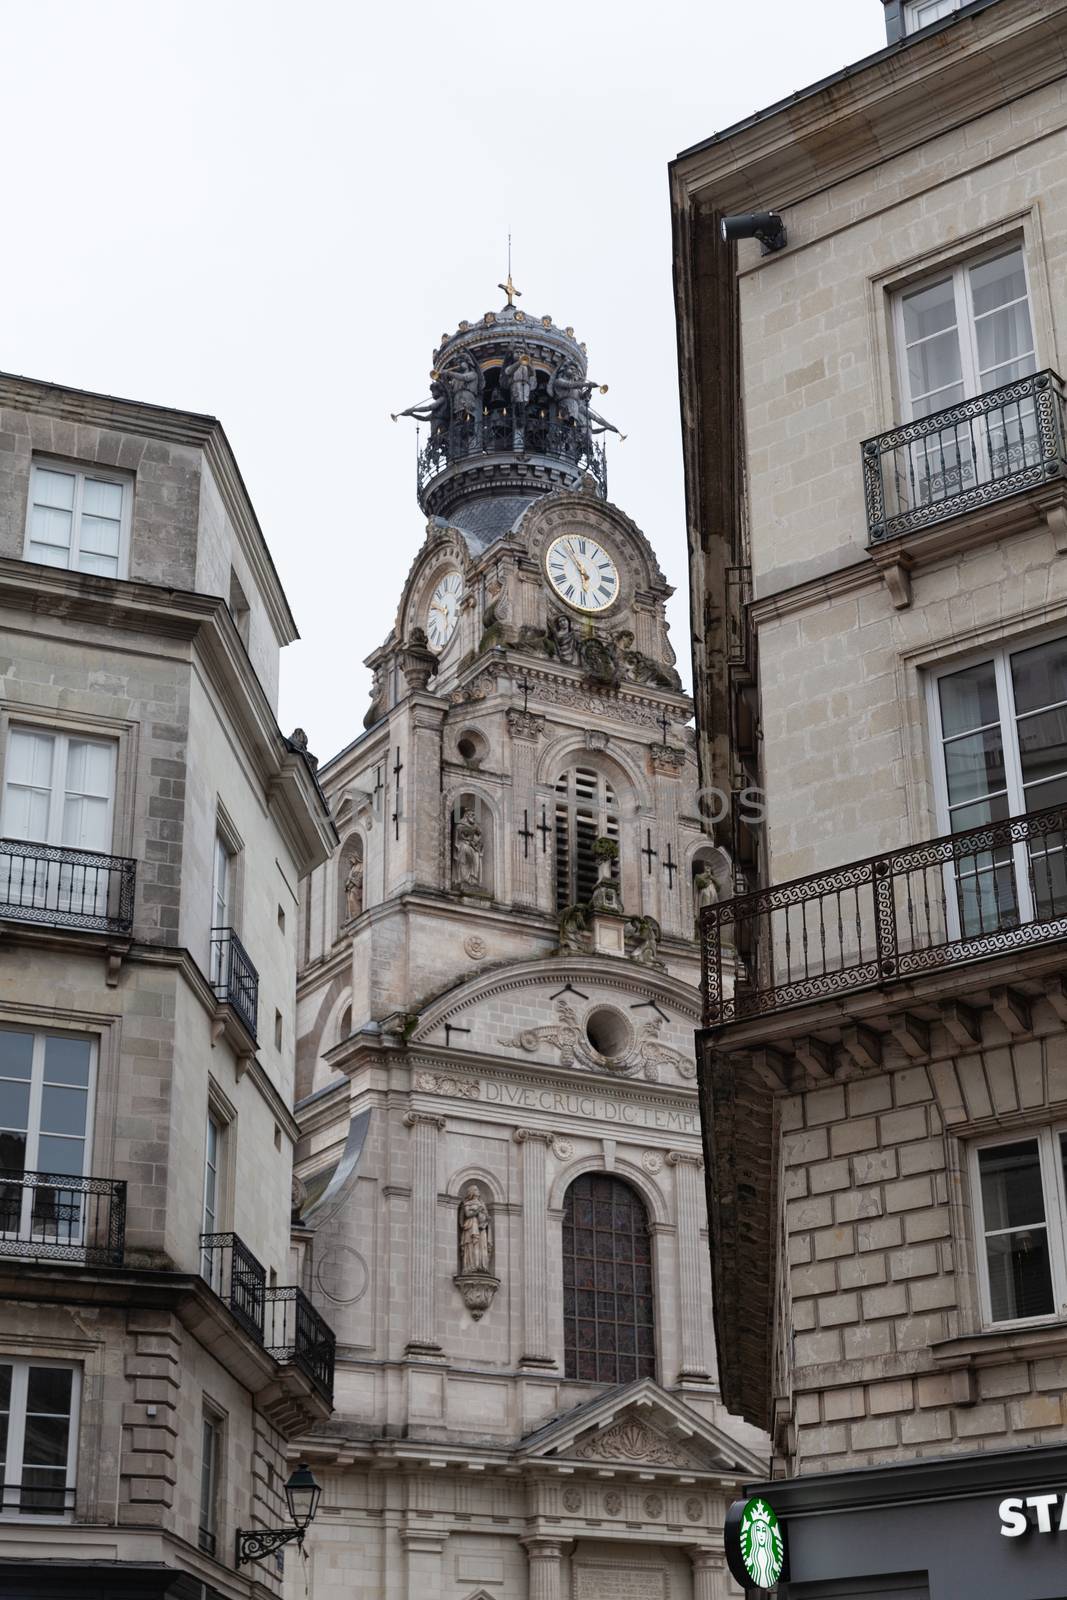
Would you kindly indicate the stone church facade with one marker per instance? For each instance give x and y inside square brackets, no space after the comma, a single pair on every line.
[500,1194]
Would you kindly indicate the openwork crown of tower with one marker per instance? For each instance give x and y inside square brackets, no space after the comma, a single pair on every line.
[513,388]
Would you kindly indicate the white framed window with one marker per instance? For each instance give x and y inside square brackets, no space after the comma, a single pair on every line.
[1020,1215]
[223,898]
[79,517]
[46,1099]
[211,1437]
[59,790]
[999,725]
[586,810]
[38,1439]
[965,330]
[920,13]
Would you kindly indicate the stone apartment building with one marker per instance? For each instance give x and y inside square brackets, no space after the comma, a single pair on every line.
[502,1207]
[155,1354]
[875,463]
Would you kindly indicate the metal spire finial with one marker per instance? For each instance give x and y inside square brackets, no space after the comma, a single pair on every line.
[509,288]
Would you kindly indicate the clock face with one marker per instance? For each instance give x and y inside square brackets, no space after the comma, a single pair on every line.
[443,611]
[582,572]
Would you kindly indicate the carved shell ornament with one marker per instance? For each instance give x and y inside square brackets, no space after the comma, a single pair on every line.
[631,1441]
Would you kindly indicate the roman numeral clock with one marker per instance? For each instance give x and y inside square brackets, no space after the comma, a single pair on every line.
[582,572]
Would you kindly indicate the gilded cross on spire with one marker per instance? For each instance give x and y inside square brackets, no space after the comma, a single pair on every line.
[510,290]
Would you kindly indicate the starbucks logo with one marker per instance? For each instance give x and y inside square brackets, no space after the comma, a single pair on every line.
[762,1549]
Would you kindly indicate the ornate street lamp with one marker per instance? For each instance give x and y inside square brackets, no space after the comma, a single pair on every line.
[302,1497]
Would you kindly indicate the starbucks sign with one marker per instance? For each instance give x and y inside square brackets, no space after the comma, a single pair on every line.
[755,1543]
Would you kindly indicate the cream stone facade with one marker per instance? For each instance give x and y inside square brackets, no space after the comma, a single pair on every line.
[495,1049]
[146,1056]
[876,466]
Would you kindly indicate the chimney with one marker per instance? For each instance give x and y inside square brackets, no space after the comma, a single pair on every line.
[894,20]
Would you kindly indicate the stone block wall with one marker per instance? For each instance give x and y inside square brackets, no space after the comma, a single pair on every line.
[890,1352]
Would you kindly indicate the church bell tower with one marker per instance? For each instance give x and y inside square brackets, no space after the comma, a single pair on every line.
[501,1200]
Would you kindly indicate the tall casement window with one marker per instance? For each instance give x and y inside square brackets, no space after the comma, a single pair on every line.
[45,1108]
[609,1331]
[1000,728]
[223,874]
[1021,1212]
[79,518]
[211,1260]
[210,1464]
[38,1439]
[965,333]
[586,809]
[59,790]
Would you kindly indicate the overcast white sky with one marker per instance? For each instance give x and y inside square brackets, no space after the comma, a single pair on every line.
[271,212]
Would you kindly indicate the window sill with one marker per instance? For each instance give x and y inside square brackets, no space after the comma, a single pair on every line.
[995,1346]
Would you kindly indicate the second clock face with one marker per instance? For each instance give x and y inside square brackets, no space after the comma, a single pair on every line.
[443,611]
[582,572]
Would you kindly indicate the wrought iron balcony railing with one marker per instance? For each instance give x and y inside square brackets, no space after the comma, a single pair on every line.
[239,1280]
[295,1333]
[39,1494]
[233,977]
[906,912]
[52,1216]
[965,457]
[64,888]
[525,430]
[282,1320]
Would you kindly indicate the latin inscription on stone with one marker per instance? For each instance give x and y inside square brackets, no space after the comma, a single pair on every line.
[619,1583]
[593,1106]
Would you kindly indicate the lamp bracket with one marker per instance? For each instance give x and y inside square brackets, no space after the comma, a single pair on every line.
[258,1543]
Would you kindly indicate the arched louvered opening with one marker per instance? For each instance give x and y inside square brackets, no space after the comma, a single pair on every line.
[586,809]
[609,1331]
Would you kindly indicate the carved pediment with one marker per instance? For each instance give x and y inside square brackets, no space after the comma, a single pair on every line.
[633,1440]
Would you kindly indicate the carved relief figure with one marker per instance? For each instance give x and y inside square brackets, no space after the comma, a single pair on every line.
[354,887]
[475,1233]
[467,850]
[646,933]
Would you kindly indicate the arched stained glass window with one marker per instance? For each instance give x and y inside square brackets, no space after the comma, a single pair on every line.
[609,1332]
[586,809]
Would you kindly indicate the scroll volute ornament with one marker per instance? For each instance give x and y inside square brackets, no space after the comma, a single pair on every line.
[475,1279]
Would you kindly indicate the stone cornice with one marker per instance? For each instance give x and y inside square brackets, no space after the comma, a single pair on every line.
[884,106]
[153,613]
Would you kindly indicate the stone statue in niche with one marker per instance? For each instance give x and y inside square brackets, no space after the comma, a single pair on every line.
[518,379]
[468,850]
[475,1233]
[465,384]
[475,1280]
[354,888]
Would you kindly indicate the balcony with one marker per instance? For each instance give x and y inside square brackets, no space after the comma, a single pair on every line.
[63,888]
[239,1280]
[295,1333]
[50,1216]
[234,978]
[965,458]
[282,1320]
[928,907]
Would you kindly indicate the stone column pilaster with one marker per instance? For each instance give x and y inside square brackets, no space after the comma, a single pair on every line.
[535,1145]
[687,1170]
[424,1551]
[709,1573]
[525,729]
[425,1128]
[424,809]
[545,1557]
